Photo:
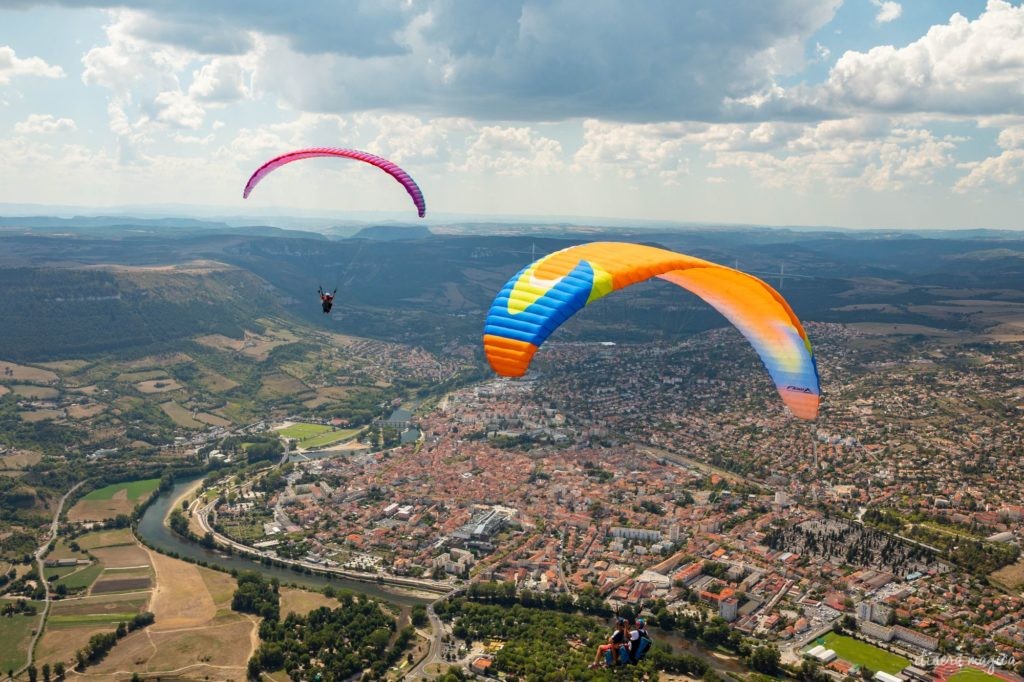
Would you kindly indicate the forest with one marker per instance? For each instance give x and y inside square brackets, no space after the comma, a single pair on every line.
[331,645]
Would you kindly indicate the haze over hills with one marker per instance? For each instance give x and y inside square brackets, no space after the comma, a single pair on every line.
[117,288]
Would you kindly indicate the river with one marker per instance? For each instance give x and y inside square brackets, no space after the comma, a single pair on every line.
[154,532]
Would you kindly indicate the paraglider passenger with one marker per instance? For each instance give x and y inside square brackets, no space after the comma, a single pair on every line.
[615,642]
[639,640]
[327,300]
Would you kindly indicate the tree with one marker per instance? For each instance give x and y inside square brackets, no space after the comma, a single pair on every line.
[58,670]
[419,615]
[33,674]
[765,659]
[46,672]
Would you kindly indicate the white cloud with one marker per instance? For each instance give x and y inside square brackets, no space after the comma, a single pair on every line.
[887,11]
[221,81]
[634,150]
[1005,169]
[44,123]
[11,65]
[178,110]
[962,67]
[513,150]
[843,155]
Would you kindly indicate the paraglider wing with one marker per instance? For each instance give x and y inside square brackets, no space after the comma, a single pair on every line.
[388,167]
[549,291]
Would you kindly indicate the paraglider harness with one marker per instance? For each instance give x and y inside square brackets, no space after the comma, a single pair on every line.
[327,299]
[628,656]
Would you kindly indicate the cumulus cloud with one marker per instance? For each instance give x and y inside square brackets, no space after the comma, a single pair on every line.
[835,156]
[44,123]
[11,65]
[145,78]
[962,67]
[1004,169]
[515,60]
[513,150]
[887,11]
[844,155]
[635,150]
[220,82]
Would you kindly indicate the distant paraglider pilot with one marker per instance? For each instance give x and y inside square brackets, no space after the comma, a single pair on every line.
[327,300]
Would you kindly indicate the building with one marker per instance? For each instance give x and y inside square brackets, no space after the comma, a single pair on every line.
[864,610]
[821,654]
[872,629]
[481,666]
[642,534]
[727,609]
[882,676]
[918,639]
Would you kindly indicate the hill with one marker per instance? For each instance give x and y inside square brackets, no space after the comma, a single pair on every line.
[61,312]
[392,232]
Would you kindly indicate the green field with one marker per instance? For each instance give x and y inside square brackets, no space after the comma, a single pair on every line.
[90,619]
[82,579]
[15,633]
[134,489]
[59,571]
[974,675]
[303,431]
[329,438]
[864,654]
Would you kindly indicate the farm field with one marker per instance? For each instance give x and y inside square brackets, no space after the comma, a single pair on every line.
[25,373]
[180,416]
[133,489]
[85,411]
[20,459]
[106,538]
[1011,577]
[82,578]
[108,603]
[864,654]
[195,630]
[158,386]
[108,502]
[41,415]
[15,633]
[122,565]
[35,392]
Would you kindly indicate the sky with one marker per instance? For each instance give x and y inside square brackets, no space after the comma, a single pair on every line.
[850,113]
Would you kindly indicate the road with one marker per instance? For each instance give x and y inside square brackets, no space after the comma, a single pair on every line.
[40,555]
[202,513]
[418,671]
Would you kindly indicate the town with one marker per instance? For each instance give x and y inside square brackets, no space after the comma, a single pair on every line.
[672,499]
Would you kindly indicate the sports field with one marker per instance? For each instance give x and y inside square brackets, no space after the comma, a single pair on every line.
[303,431]
[316,435]
[133,489]
[974,675]
[328,438]
[864,654]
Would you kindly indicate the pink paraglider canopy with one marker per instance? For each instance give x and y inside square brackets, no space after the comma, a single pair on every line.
[388,167]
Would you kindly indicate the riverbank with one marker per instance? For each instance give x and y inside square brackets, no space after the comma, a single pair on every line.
[152,530]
